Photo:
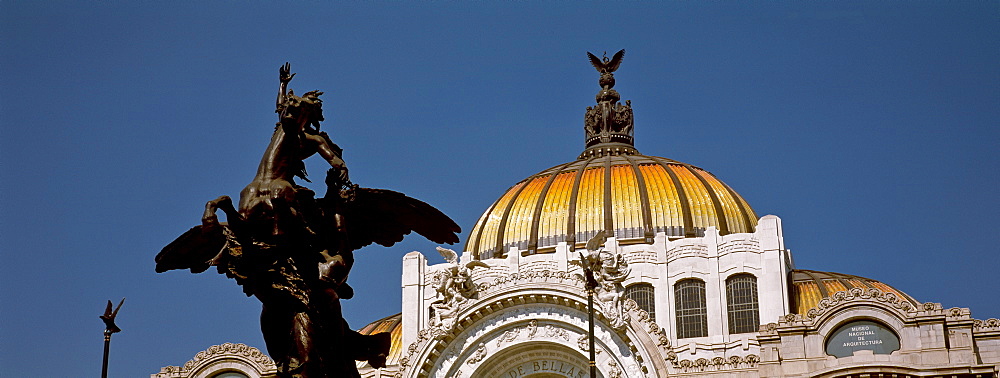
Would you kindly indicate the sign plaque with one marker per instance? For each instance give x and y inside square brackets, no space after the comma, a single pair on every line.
[861,335]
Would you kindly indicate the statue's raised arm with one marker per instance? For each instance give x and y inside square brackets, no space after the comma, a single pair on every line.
[285,76]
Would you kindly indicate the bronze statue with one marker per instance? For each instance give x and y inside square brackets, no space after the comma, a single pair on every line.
[294,251]
[608,121]
[606,66]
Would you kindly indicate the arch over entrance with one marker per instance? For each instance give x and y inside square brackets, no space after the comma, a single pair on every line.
[536,360]
[509,341]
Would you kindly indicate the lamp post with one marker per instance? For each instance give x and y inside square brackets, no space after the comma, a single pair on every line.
[612,270]
[591,264]
[109,329]
[591,287]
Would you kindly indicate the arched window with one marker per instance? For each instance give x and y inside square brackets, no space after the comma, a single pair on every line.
[692,317]
[642,294]
[741,296]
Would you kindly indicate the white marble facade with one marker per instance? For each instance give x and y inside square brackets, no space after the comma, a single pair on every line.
[528,318]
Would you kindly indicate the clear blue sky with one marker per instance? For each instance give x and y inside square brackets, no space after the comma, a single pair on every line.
[870,128]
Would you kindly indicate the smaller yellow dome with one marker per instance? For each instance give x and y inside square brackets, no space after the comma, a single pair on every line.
[389,324]
[810,286]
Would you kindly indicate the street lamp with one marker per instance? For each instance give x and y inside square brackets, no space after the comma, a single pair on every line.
[591,263]
[109,329]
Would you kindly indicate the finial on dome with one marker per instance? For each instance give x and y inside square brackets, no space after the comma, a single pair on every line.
[608,125]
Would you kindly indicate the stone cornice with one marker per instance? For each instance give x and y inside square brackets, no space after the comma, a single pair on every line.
[988,327]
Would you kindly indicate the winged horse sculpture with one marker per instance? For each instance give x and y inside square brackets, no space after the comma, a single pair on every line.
[294,251]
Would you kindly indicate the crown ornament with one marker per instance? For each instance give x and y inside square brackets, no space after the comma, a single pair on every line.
[608,125]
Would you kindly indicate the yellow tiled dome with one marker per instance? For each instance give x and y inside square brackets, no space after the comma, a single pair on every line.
[631,196]
[810,286]
[391,324]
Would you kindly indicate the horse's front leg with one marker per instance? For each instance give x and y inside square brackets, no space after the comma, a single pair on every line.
[224,203]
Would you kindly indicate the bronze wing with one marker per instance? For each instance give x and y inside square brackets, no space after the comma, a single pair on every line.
[616,61]
[197,249]
[383,217]
[596,62]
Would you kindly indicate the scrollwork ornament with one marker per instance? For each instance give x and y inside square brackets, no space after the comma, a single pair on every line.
[662,340]
[734,361]
[701,363]
[906,306]
[718,361]
[672,356]
[954,312]
[891,298]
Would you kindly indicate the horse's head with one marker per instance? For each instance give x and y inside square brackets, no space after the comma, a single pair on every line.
[304,111]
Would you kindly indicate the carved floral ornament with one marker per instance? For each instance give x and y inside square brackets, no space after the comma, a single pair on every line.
[718,363]
[247,354]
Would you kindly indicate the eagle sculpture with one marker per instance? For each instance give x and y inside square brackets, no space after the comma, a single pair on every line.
[607,66]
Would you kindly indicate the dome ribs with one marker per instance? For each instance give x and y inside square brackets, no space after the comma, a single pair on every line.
[685,205]
[520,220]
[499,250]
[702,209]
[819,283]
[537,215]
[647,217]
[745,210]
[733,213]
[626,201]
[555,211]
[473,243]
[571,218]
[664,210]
[716,201]
[609,214]
[590,206]
[506,199]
